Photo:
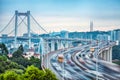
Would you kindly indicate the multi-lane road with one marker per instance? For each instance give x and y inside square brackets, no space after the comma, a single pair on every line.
[78,65]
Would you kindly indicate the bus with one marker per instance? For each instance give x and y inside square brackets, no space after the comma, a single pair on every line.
[92,49]
[60,58]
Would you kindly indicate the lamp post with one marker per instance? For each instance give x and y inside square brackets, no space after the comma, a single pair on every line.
[61,61]
[97,63]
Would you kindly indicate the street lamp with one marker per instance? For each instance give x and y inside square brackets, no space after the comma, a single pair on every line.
[97,63]
[61,60]
[92,49]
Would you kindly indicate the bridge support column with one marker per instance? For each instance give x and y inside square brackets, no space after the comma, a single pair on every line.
[62,46]
[101,55]
[70,44]
[66,44]
[110,53]
[52,46]
[108,56]
[104,55]
[42,43]
[47,49]
[59,44]
[44,47]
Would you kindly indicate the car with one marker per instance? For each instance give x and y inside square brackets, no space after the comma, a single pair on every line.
[79,55]
[70,63]
[53,60]
[54,64]
[76,69]
[68,56]
[81,61]
[95,73]
[58,68]
[66,75]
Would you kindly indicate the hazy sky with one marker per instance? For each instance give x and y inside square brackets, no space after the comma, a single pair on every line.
[71,15]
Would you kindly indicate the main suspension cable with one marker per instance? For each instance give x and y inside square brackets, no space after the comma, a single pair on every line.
[7,24]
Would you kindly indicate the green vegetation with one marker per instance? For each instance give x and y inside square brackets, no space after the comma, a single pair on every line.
[18,58]
[116,52]
[20,68]
[49,75]
[6,64]
[3,49]
[31,73]
[117,62]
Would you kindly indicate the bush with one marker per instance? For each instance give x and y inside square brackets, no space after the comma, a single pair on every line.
[11,75]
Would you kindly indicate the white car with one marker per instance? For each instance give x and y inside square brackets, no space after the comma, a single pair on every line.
[57,67]
[66,75]
[95,73]
[54,64]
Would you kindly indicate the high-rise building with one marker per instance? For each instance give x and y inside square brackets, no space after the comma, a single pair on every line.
[113,35]
[64,34]
[118,35]
[105,37]
[91,26]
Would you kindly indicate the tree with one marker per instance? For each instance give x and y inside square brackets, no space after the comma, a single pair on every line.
[17,54]
[1,77]
[3,58]
[6,64]
[21,48]
[3,48]
[35,61]
[11,75]
[49,75]
[21,61]
[116,52]
[33,73]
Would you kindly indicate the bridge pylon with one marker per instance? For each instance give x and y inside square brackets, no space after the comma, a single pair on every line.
[17,14]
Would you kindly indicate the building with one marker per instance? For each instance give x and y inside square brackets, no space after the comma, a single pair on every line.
[64,34]
[91,26]
[118,35]
[105,37]
[4,38]
[31,53]
[115,35]
[10,55]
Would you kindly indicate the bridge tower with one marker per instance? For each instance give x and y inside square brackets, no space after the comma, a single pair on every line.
[27,14]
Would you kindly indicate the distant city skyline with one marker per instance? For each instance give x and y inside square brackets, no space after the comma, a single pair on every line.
[70,15]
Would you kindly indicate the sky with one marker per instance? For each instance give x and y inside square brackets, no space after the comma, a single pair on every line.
[57,15]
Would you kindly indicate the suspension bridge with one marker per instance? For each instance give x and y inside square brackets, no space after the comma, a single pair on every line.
[51,47]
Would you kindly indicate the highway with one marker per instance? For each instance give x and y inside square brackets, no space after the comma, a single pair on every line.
[78,65]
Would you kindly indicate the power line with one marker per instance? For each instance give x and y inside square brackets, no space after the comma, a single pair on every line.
[7,24]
